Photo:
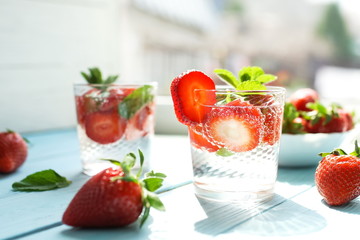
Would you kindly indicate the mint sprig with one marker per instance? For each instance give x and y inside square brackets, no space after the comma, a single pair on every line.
[249,78]
[135,101]
[95,77]
[151,182]
[41,181]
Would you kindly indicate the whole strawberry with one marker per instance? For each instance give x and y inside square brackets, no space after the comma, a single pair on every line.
[115,197]
[13,151]
[338,176]
[301,97]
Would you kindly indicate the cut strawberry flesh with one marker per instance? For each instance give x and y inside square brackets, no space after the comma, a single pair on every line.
[188,111]
[238,129]
[199,141]
[105,127]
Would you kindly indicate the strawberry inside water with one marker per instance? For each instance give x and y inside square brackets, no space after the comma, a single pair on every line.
[239,129]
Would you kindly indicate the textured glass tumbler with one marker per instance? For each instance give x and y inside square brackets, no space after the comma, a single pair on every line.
[112,121]
[236,146]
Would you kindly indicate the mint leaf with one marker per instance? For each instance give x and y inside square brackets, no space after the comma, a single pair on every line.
[111,79]
[249,78]
[251,85]
[95,77]
[250,73]
[227,77]
[135,101]
[223,152]
[266,78]
[41,181]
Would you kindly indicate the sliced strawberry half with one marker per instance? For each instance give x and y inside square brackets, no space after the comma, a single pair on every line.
[188,111]
[199,141]
[104,127]
[238,129]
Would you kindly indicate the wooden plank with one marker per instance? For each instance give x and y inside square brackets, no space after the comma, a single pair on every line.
[187,216]
[41,210]
[304,216]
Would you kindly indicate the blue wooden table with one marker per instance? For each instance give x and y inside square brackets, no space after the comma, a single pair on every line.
[297,211]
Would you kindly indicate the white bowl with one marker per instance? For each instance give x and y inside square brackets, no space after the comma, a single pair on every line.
[301,150]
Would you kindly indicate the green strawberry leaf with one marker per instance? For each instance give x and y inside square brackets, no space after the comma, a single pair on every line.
[356,152]
[149,184]
[223,152]
[141,155]
[153,181]
[155,201]
[152,184]
[227,77]
[41,181]
[145,215]
[135,101]
[290,114]
[153,174]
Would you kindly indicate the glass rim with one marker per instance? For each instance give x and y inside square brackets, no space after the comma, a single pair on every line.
[124,84]
[278,92]
[227,89]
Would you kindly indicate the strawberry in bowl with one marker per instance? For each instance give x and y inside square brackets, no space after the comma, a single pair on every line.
[306,131]
[234,132]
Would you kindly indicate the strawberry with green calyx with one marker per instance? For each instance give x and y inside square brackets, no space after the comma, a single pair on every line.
[337,176]
[301,97]
[324,119]
[292,122]
[115,197]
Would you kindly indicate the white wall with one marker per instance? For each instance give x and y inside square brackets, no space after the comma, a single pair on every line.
[44,44]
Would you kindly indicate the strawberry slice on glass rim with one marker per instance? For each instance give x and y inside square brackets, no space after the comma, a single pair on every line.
[187,108]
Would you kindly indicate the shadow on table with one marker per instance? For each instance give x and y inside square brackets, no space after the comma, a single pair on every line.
[297,176]
[278,217]
[132,231]
[353,207]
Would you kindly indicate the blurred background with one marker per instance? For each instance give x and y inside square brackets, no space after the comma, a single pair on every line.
[44,44]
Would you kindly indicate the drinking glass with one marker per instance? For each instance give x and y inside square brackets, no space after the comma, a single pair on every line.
[112,121]
[236,146]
